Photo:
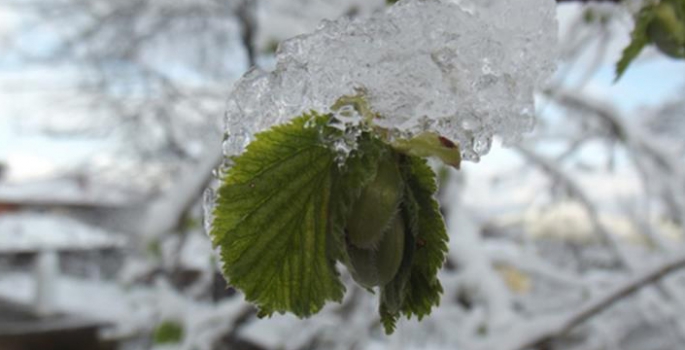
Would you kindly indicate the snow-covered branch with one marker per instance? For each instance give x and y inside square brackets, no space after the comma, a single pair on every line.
[566,323]
[477,273]
[575,191]
[562,1]
[164,213]
[663,167]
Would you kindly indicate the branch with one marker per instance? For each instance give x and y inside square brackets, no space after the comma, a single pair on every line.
[163,214]
[477,273]
[603,302]
[586,1]
[576,192]
[641,144]
[246,16]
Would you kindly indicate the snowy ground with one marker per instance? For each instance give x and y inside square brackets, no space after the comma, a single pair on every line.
[132,311]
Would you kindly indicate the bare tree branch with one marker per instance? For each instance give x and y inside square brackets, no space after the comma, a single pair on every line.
[586,1]
[604,301]
[246,15]
[648,156]
[575,191]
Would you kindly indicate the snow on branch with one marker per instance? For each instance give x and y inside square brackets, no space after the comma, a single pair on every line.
[648,156]
[598,304]
[619,127]
[575,191]
[476,267]
[586,1]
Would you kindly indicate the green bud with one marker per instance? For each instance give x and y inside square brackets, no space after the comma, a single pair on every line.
[362,266]
[377,205]
[667,30]
[390,251]
[378,266]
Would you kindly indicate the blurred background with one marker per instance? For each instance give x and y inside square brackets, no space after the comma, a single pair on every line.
[110,128]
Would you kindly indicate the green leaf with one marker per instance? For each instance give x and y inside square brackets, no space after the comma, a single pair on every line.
[639,39]
[168,332]
[667,29]
[272,220]
[431,243]
[416,288]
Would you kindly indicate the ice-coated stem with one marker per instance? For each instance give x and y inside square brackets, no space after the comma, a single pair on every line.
[430,144]
[358,102]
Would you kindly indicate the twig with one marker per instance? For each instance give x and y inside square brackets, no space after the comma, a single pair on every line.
[586,1]
[575,191]
[604,301]
[640,144]
[246,16]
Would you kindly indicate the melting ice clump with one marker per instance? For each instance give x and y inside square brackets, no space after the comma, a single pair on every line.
[464,69]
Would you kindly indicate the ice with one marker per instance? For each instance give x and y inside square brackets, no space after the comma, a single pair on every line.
[208,199]
[349,121]
[466,70]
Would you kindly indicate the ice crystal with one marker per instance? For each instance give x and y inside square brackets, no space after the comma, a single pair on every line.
[464,69]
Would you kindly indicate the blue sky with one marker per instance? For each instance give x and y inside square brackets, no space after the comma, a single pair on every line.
[645,83]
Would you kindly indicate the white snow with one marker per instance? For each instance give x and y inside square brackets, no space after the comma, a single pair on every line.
[46,270]
[133,310]
[29,232]
[197,252]
[478,275]
[338,326]
[66,191]
[466,71]
[98,300]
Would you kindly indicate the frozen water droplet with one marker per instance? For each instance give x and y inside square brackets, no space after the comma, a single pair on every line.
[470,155]
[482,144]
[208,200]
[244,138]
[309,123]
[469,123]
[227,144]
